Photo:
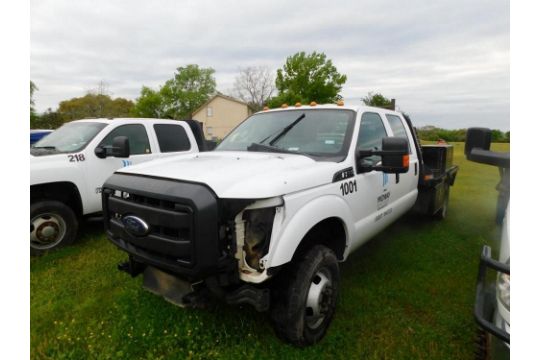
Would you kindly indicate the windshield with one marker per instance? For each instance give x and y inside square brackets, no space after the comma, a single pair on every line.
[70,137]
[321,133]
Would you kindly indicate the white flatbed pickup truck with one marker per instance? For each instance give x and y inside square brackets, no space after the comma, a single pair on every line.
[266,217]
[69,166]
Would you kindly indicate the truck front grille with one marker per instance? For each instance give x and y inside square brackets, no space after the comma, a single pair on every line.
[181,222]
[170,225]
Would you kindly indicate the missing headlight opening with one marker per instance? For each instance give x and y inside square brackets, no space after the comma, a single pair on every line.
[258,230]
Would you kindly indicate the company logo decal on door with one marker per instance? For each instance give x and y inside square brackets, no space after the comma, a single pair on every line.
[384,179]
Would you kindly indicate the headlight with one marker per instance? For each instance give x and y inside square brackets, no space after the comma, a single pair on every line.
[258,230]
[503,289]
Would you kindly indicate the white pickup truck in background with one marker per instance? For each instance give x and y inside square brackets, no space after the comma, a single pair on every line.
[69,166]
[265,218]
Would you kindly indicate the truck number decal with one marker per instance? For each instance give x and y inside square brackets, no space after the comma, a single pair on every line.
[76,157]
[348,187]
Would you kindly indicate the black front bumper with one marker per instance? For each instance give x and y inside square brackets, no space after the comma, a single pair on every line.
[183,236]
[485,299]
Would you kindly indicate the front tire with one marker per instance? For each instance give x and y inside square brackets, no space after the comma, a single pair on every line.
[52,225]
[305,297]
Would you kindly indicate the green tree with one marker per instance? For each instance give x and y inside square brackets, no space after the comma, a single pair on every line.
[498,136]
[305,78]
[48,120]
[190,87]
[94,106]
[377,100]
[33,115]
[149,104]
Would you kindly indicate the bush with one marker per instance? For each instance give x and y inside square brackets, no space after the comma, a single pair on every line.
[459,135]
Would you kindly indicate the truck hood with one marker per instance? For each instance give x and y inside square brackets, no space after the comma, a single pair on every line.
[45,162]
[242,175]
[53,168]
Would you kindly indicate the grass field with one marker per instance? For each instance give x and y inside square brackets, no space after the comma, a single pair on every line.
[407,294]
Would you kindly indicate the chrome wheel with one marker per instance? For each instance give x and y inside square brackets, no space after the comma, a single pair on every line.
[319,298]
[46,230]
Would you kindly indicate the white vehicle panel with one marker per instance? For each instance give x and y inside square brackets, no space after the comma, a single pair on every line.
[244,175]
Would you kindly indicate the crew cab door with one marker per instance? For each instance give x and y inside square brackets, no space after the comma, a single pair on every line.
[99,169]
[406,189]
[174,139]
[373,189]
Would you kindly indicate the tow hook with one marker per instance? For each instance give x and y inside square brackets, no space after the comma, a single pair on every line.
[131,267]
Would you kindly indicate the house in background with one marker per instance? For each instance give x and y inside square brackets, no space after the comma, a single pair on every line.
[220,114]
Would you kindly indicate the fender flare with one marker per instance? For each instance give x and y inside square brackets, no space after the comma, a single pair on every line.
[71,198]
[284,245]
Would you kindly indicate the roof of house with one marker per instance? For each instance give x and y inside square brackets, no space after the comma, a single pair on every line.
[221,96]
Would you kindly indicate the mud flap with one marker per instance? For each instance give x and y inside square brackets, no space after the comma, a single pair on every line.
[168,286]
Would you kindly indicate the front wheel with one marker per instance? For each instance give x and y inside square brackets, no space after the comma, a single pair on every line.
[305,297]
[52,225]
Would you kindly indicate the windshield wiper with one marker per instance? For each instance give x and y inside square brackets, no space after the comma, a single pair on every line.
[282,131]
[286,129]
[44,147]
[274,149]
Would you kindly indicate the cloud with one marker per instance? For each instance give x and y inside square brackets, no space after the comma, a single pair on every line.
[446,62]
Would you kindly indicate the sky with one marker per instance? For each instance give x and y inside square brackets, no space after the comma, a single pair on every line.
[447,63]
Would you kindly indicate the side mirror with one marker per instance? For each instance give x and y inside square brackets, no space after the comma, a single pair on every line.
[394,155]
[477,144]
[100,152]
[120,147]
[477,138]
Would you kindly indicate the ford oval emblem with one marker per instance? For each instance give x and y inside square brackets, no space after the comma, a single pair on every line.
[135,226]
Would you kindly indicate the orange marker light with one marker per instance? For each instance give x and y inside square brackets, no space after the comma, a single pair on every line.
[313,103]
[405,160]
[265,108]
[340,103]
[298,104]
[283,106]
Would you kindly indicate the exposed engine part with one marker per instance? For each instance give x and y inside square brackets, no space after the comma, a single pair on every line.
[258,230]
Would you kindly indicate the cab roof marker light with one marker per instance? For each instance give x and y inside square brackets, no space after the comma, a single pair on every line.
[284,105]
[313,103]
[298,104]
[340,103]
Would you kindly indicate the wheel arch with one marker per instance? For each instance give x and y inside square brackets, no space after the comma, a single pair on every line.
[322,221]
[63,191]
[329,232]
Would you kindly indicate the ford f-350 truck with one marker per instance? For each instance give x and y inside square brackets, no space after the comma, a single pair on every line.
[266,217]
[69,166]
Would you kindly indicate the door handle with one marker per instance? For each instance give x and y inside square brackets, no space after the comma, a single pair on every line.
[415,169]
